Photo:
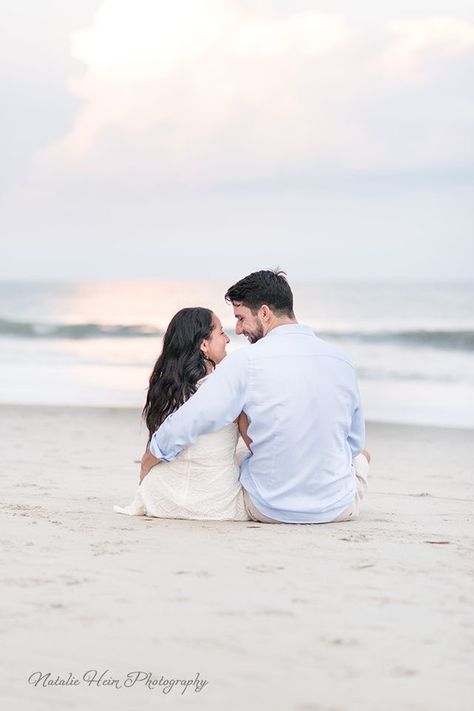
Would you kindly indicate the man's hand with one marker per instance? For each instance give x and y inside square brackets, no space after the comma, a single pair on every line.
[148,461]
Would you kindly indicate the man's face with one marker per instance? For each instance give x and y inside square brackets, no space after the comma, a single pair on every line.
[247,324]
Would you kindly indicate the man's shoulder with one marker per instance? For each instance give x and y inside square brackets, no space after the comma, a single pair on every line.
[330,351]
[237,359]
[302,340]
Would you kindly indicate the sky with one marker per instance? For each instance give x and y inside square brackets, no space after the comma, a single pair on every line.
[209,138]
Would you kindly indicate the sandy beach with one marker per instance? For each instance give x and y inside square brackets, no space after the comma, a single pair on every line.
[372,614]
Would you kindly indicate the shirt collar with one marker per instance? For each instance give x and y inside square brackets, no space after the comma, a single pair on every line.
[290,328]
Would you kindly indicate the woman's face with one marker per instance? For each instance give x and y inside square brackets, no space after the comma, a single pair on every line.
[214,346]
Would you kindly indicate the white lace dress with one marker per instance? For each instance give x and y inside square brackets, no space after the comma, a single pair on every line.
[201,483]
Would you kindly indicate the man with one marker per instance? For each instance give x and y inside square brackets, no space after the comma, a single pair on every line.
[301,399]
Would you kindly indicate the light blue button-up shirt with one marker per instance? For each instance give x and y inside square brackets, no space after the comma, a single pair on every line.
[305,422]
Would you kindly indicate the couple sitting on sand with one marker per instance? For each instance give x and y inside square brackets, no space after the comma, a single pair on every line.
[293,398]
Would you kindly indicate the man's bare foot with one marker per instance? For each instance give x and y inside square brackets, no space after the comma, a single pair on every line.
[366,455]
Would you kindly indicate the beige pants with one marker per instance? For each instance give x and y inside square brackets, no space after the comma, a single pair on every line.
[254,514]
[361,466]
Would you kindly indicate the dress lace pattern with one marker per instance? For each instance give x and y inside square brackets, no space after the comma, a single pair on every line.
[201,483]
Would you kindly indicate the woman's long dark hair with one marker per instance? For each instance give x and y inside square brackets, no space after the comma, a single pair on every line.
[179,367]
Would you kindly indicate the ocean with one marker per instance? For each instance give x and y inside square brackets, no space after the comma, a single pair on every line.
[95,343]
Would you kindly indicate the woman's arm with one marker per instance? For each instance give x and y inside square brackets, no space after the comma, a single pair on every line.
[243,423]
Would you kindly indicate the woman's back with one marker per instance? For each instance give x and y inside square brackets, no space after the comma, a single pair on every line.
[201,483]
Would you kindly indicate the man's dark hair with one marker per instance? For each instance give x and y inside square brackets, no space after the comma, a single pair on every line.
[268,286]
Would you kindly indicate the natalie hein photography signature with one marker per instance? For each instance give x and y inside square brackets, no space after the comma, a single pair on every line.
[134,678]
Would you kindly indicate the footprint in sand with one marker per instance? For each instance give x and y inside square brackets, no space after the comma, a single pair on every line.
[112,547]
[404,671]
[28,582]
[263,568]
[273,612]
[355,538]
[362,565]
[301,601]
[341,642]
[70,580]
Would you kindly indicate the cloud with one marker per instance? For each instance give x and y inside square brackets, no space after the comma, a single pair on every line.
[413,42]
[212,91]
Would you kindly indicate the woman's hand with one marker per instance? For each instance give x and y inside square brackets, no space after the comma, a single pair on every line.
[148,461]
[243,423]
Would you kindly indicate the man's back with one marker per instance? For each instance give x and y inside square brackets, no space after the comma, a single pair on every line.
[305,424]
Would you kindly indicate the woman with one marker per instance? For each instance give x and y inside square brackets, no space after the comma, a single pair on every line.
[203,481]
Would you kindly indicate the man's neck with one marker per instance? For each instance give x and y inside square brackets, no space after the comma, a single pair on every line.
[280,322]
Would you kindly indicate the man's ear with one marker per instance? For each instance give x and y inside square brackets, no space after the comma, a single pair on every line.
[265,313]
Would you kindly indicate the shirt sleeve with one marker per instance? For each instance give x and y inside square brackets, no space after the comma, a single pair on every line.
[217,403]
[356,437]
